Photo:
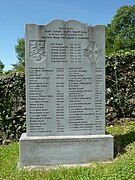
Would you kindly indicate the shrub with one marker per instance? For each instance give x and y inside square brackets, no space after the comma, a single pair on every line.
[120,84]
[12,105]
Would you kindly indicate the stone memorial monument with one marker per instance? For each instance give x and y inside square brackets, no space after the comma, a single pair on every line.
[65,95]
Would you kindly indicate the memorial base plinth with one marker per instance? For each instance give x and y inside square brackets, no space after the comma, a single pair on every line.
[62,150]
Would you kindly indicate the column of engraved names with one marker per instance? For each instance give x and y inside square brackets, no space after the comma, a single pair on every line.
[58,52]
[80,100]
[60,101]
[38,100]
[98,99]
[58,55]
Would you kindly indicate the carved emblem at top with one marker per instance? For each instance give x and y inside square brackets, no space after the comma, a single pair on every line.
[37,50]
[93,52]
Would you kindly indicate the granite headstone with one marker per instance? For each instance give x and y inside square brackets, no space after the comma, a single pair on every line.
[65,95]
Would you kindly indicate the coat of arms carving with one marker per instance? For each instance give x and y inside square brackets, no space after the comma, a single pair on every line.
[37,50]
[93,52]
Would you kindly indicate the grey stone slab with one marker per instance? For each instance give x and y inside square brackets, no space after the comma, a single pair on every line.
[65,95]
[58,150]
[65,79]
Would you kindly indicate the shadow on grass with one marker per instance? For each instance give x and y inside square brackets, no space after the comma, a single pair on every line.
[121,141]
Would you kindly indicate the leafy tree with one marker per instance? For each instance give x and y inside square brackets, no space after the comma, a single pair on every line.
[20,51]
[1,67]
[120,33]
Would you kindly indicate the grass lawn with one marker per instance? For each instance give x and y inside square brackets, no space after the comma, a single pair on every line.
[121,168]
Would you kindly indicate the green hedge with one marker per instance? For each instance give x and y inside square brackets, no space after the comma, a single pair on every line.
[12,105]
[120,94]
[120,85]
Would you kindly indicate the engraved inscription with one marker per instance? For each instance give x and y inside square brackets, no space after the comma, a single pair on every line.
[66,140]
[65,80]
[37,50]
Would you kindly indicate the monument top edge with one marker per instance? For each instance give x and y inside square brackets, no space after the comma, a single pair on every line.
[65,22]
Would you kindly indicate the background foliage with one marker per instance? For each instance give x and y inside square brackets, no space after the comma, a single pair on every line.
[120,85]
[1,67]
[20,52]
[12,105]
[120,33]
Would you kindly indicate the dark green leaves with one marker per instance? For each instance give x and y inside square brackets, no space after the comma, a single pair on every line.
[120,34]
